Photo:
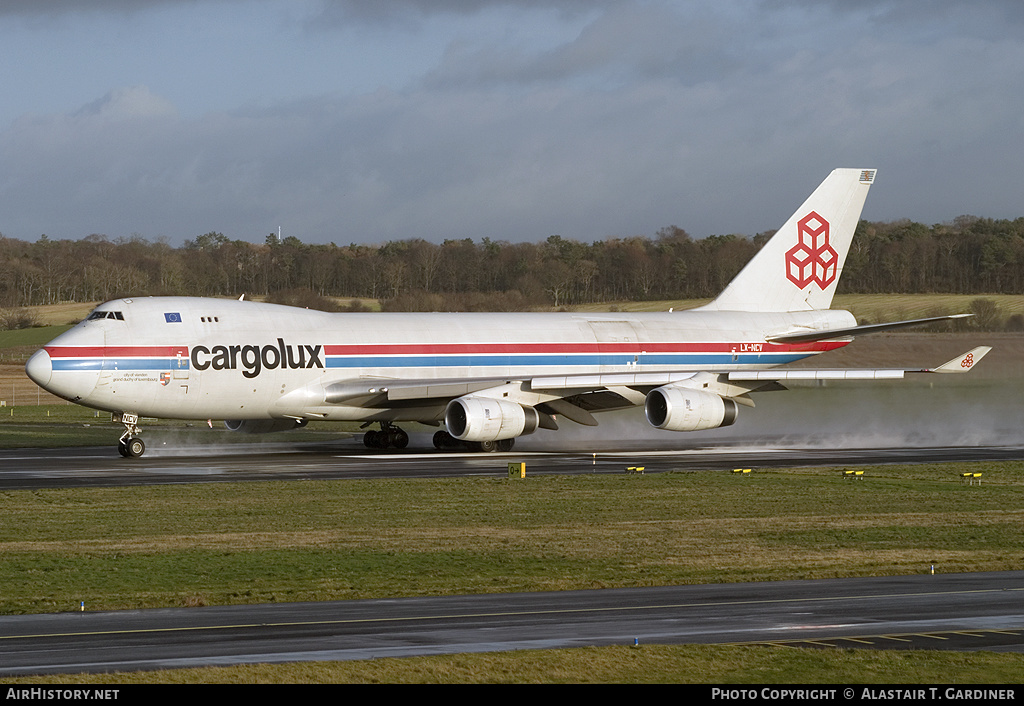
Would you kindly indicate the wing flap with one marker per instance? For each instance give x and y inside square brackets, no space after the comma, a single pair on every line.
[782,375]
[371,392]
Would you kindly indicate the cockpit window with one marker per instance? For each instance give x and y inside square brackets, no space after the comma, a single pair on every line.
[106,315]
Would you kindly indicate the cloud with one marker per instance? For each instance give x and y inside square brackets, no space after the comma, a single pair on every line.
[129,103]
[620,120]
[621,46]
[55,8]
[406,12]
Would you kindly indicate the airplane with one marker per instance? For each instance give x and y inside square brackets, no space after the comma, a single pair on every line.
[487,379]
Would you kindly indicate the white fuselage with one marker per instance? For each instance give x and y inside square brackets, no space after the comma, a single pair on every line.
[197,358]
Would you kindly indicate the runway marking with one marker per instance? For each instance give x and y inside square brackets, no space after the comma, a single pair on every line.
[523,613]
[606,455]
[867,639]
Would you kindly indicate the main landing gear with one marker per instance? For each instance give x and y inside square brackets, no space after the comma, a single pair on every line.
[130,445]
[389,437]
[444,440]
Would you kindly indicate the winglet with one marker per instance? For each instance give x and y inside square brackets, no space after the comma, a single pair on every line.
[964,363]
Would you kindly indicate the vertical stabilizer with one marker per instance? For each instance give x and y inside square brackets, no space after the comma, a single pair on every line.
[799,267]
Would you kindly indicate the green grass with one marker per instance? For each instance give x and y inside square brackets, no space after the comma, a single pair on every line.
[31,336]
[646,664]
[16,346]
[200,544]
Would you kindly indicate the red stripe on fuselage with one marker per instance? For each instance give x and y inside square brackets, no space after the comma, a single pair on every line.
[584,347]
[117,351]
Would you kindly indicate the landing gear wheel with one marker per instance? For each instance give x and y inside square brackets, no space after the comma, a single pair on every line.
[399,439]
[506,444]
[130,445]
[389,436]
[444,440]
[133,448]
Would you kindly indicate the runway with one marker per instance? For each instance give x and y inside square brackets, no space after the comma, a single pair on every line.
[952,612]
[839,425]
[101,466]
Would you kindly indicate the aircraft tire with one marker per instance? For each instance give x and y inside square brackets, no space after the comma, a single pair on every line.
[135,447]
[399,439]
[443,440]
[122,449]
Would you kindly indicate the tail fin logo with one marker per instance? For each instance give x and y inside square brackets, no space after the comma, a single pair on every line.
[813,259]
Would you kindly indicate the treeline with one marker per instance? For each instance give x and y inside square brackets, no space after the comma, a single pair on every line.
[970,255]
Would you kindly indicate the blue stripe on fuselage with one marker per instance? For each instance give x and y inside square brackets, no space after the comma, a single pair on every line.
[120,363]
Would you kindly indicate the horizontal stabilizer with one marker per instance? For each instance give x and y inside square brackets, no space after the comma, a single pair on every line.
[827,334]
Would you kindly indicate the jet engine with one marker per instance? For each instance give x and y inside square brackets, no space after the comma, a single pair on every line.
[678,408]
[472,418]
[263,426]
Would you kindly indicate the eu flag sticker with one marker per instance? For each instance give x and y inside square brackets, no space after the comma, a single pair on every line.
[173,318]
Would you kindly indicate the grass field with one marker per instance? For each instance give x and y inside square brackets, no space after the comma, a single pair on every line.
[190,545]
[646,664]
[179,545]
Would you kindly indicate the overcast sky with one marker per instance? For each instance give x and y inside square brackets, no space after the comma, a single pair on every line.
[368,120]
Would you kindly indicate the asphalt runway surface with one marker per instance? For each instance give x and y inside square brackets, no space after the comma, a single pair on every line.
[983,611]
[102,466]
[838,425]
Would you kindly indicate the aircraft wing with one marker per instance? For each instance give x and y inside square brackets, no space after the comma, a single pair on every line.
[805,336]
[577,397]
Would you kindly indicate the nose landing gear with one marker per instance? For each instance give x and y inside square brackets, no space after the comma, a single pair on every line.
[130,445]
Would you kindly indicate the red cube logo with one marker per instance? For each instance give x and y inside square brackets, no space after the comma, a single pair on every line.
[813,259]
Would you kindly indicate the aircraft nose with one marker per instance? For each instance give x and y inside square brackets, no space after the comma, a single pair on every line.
[39,368]
[69,366]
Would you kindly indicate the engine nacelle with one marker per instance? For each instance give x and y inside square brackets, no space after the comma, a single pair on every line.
[263,426]
[678,408]
[473,418]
